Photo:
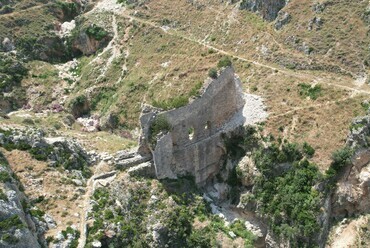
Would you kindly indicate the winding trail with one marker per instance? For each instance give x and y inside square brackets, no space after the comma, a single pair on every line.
[90,188]
[85,209]
[26,10]
[291,73]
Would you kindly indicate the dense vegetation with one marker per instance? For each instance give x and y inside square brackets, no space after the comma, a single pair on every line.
[285,191]
[12,72]
[176,218]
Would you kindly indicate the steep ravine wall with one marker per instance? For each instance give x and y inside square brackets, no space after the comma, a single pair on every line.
[268,9]
[194,144]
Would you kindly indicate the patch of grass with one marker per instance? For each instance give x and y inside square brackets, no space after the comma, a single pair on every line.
[313,92]
[178,101]
[160,124]
[240,230]
[172,103]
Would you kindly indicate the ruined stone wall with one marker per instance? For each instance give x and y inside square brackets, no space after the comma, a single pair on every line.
[194,145]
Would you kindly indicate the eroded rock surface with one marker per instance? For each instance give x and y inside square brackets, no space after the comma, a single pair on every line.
[269,9]
[352,193]
[18,228]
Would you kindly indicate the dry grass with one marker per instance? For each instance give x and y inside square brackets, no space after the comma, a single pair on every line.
[61,198]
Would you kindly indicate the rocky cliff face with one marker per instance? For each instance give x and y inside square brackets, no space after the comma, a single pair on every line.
[352,193]
[17,227]
[269,9]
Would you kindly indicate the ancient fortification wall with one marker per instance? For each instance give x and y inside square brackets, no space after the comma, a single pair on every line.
[194,144]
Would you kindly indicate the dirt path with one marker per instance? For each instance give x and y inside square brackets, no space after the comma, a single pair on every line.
[308,107]
[26,10]
[91,185]
[85,208]
[291,73]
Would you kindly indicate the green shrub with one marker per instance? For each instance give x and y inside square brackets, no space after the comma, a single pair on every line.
[213,73]
[292,152]
[224,62]
[38,213]
[160,124]
[108,214]
[70,9]
[76,234]
[200,238]
[306,90]
[195,90]
[12,71]
[240,230]
[79,106]
[6,10]
[104,97]
[12,222]
[9,238]
[3,195]
[308,150]
[5,177]
[341,158]
[96,32]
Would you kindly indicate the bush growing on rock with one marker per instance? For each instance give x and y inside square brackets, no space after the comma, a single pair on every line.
[79,106]
[224,62]
[96,32]
[340,158]
[213,73]
[160,124]
[286,195]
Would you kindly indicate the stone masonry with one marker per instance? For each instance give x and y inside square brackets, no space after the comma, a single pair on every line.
[194,144]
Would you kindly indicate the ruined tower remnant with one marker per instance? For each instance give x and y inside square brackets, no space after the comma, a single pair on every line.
[193,145]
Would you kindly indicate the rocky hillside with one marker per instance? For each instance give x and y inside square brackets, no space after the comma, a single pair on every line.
[109,115]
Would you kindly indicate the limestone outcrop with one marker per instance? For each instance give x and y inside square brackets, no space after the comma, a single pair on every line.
[268,9]
[352,195]
[194,142]
[18,227]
